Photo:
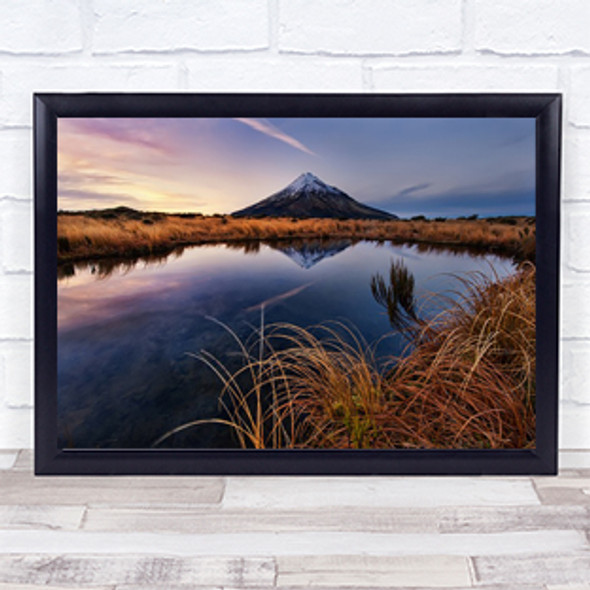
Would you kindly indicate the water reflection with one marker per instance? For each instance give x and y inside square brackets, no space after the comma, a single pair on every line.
[104,267]
[397,295]
[126,326]
[307,253]
[304,252]
[245,246]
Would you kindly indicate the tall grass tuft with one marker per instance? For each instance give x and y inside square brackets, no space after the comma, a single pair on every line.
[470,379]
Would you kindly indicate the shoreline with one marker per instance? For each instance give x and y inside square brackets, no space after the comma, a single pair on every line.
[163,251]
[82,237]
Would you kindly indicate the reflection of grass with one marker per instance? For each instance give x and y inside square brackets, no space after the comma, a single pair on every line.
[467,382]
[125,232]
[398,296]
[103,268]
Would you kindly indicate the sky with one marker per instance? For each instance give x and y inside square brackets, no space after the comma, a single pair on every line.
[428,166]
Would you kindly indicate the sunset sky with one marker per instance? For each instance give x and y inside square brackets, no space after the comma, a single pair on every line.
[446,167]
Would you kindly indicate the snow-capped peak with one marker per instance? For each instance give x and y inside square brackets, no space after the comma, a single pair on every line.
[307,181]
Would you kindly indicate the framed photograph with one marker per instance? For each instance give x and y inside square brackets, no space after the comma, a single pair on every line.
[331,284]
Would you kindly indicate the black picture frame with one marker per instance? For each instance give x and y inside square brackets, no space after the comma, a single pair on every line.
[51,460]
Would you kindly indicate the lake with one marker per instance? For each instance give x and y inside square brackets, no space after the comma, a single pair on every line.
[125,329]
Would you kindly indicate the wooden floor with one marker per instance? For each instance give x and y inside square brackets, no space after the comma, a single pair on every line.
[193,532]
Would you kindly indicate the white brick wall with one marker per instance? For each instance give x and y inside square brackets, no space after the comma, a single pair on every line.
[16,240]
[40,27]
[270,73]
[137,26]
[346,27]
[578,78]
[338,45]
[532,27]
[464,77]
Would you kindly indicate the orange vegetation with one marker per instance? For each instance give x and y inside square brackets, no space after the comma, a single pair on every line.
[131,233]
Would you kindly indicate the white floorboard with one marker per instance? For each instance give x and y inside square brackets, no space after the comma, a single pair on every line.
[7,459]
[290,493]
[302,543]
[187,533]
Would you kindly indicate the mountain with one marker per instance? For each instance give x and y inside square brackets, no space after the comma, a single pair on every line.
[308,196]
[307,253]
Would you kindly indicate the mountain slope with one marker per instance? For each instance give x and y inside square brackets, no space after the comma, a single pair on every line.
[308,196]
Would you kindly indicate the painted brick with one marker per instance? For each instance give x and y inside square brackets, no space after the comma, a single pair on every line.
[3,386]
[573,426]
[16,158]
[531,27]
[16,429]
[384,27]
[41,27]
[16,237]
[578,459]
[274,74]
[22,81]
[17,381]
[464,78]
[576,372]
[153,25]
[575,305]
[15,306]
[578,95]
[577,242]
[576,172]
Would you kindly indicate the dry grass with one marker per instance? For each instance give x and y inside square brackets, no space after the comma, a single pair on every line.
[94,236]
[468,380]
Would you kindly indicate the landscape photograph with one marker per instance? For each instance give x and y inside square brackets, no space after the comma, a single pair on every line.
[296,283]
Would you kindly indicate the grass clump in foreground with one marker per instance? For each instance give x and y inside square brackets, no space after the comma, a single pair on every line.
[467,382]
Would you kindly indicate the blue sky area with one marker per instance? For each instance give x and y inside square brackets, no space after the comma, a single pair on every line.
[434,167]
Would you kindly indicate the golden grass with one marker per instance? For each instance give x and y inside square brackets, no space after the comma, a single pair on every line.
[90,236]
[468,380]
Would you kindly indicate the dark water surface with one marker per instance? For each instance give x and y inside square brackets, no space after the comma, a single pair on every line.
[124,376]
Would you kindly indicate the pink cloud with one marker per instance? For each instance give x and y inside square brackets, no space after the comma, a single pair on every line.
[266,127]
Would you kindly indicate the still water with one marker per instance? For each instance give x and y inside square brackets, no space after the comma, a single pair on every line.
[124,375]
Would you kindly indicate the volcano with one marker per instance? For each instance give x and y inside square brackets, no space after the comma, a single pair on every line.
[308,196]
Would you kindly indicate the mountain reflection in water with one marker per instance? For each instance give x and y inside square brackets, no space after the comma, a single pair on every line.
[126,326]
[304,252]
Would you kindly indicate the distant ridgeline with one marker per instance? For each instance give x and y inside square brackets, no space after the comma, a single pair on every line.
[307,196]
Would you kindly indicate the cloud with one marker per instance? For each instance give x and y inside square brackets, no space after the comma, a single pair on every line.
[517,139]
[515,181]
[412,189]
[267,128]
[126,132]
[79,178]
[511,193]
[73,199]
[82,198]
[510,202]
